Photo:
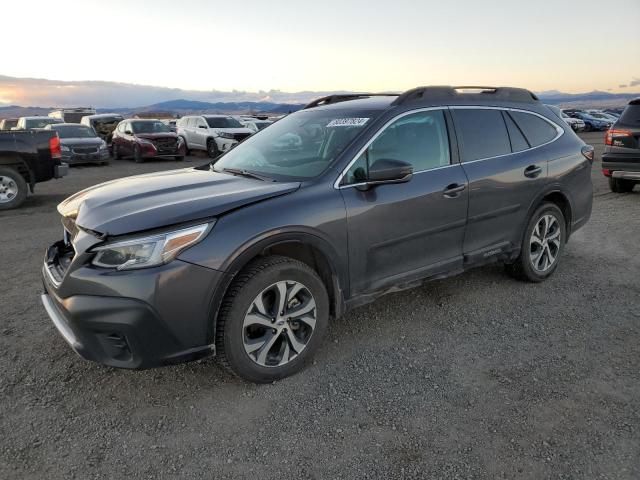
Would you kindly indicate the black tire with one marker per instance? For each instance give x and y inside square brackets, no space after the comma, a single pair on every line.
[137,156]
[115,152]
[212,148]
[620,185]
[587,127]
[13,188]
[522,268]
[245,288]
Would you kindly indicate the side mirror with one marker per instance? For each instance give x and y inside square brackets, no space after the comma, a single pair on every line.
[202,126]
[387,170]
[128,132]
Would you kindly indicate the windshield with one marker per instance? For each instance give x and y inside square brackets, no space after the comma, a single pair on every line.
[40,122]
[149,127]
[73,131]
[223,122]
[300,146]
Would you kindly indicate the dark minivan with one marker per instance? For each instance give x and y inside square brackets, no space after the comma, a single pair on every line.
[621,158]
[350,198]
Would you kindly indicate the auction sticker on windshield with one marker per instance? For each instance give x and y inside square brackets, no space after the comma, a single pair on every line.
[347,122]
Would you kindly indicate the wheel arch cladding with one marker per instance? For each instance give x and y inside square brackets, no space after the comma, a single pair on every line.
[302,247]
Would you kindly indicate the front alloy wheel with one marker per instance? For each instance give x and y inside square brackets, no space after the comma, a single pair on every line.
[272,319]
[279,323]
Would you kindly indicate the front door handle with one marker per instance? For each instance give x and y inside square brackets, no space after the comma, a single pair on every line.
[453,190]
[532,171]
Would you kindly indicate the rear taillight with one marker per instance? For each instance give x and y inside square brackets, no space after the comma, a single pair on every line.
[54,147]
[613,135]
[588,152]
[606,172]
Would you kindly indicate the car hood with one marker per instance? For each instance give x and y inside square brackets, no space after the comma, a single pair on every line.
[88,142]
[145,202]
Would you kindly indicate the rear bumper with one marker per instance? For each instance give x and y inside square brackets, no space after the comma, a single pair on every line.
[626,175]
[621,162]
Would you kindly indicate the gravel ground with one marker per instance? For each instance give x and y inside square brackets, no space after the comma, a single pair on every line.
[476,376]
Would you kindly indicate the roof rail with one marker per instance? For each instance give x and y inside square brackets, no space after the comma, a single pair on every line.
[508,94]
[329,99]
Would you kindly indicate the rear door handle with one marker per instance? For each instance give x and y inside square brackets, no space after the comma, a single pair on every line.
[532,171]
[453,190]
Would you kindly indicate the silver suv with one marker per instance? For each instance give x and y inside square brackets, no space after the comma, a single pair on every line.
[215,134]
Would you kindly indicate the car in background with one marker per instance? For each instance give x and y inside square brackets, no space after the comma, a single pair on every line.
[104,124]
[72,115]
[576,124]
[142,139]
[80,144]
[255,124]
[621,157]
[591,123]
[8,123]
[171,123]
[30,123]
[215,134]
[602,115]
[27,158]
[616,112]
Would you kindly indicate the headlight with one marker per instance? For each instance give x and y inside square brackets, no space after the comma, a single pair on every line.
[148,251]
[103,145]
[225,135]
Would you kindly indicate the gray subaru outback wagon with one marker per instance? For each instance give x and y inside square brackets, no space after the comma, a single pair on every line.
[327,209]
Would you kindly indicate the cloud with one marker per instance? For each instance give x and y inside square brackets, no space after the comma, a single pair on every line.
[55,93]
[622,86]
[635,82]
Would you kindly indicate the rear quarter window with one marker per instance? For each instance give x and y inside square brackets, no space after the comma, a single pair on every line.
[536,130]
[482,133]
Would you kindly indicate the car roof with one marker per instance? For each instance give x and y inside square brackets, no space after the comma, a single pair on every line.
[69,125]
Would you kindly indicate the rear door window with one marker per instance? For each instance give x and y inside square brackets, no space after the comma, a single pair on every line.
[482,133]
[535,129]
[518,142]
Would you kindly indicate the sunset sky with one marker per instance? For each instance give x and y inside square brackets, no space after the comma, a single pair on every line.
[251,45]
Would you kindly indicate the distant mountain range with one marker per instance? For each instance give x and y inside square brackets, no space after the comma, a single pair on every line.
[179,107]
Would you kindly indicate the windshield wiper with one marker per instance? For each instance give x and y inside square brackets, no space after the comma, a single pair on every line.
[248,174]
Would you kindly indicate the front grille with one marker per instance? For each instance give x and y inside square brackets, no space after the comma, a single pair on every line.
[166,145]
[240,136]
[85,150]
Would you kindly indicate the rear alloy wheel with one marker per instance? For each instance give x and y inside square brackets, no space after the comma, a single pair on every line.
[137,156]
[621,185]
[212,149]
[542,245]
[272,319]
[13,188]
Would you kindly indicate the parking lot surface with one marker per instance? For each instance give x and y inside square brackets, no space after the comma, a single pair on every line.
[477,376]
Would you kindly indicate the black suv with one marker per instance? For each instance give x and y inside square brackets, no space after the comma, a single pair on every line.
[327,209]
[621,158]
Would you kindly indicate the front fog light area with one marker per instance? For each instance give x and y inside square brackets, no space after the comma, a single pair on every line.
[148,251]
